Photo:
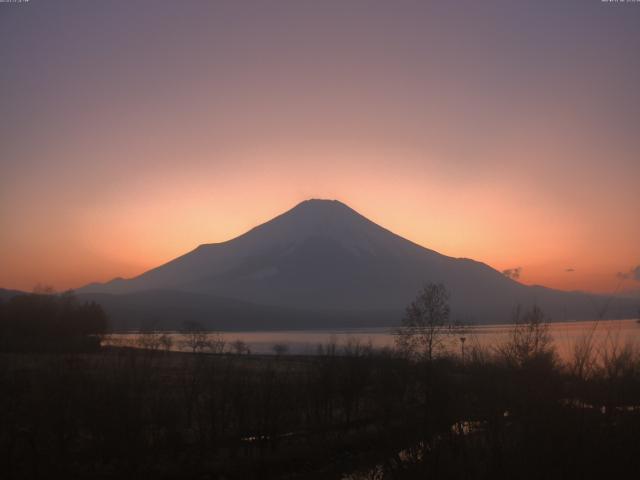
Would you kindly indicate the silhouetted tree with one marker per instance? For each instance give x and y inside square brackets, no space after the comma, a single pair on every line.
[166,342]
[194,336]
[426,323]
[34,322]
[216,342]
[239,347]
[280,349]
[529,340]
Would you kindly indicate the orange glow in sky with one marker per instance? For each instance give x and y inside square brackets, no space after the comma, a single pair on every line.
[129,139]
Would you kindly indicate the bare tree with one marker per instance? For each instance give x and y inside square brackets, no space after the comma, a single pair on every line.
[356,347]
[166,341]
[280,349]
[329,349]
[583,362]
[426,324]
[194,337]
[239,347]
[149,337]
[216,342]
[529,339]
[149,340]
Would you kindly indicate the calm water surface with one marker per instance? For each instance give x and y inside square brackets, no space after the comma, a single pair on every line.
[564,334]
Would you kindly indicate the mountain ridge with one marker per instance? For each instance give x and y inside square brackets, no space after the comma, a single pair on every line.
[322,255]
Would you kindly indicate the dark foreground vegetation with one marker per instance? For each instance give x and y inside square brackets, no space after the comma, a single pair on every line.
[513,411]
[127,413]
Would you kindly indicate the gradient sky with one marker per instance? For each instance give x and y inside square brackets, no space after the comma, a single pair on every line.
[505,131]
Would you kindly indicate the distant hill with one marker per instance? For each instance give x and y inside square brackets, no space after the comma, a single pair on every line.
[323,264]
[7,294]
[168,310]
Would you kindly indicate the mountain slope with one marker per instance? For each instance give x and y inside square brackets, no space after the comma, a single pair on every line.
[322,255]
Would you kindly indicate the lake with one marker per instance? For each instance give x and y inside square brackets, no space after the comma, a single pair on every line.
[305,342]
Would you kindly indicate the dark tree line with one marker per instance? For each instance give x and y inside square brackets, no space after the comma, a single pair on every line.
[48,322]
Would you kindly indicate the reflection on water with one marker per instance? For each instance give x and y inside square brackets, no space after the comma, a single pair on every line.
[564,334]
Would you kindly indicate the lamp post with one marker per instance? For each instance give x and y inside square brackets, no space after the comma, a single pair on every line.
[462,340]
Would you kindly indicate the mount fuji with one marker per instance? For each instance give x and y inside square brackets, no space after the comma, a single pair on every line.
[322,264]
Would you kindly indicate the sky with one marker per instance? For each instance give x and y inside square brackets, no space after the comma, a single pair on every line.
[503,131]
